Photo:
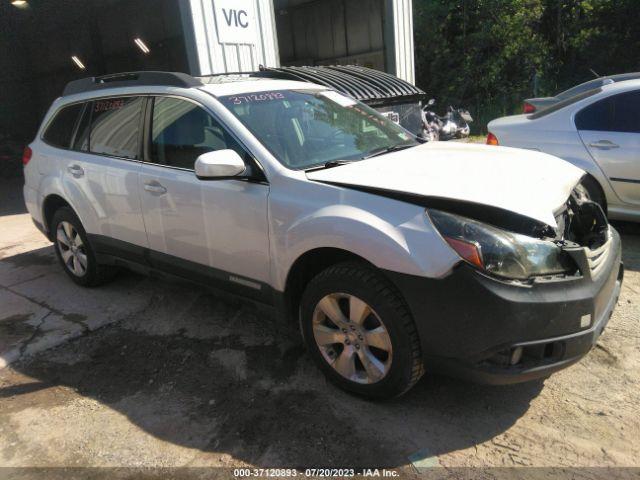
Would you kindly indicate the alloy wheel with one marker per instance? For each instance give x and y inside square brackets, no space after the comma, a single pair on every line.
[72,249]
[352,338]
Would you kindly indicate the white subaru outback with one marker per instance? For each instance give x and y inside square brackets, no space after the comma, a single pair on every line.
[395,257]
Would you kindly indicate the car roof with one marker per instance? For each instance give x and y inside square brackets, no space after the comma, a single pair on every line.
[619,77]
[238,85]
[586,98]
[597,82]
[218,85]
[621,86]
[139,82]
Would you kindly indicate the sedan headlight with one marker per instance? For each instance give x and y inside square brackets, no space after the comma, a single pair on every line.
[499,252]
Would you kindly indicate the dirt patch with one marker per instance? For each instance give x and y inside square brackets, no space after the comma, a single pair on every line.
[15,329]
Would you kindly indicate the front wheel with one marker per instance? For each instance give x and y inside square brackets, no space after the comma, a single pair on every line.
[360,332]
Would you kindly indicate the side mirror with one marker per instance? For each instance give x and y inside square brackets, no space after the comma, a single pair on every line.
[431,102]
[219,164]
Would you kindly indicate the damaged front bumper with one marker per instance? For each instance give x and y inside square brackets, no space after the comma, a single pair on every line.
[497,332]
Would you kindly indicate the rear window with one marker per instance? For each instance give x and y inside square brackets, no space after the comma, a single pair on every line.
[115,126]
[565,103]
[60,130]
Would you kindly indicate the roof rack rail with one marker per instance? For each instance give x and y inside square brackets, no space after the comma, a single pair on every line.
[131,79]
[225,74]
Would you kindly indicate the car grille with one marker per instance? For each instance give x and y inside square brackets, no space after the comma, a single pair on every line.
[598,256]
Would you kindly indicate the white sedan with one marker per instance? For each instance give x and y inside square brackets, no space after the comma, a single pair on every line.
[598,131]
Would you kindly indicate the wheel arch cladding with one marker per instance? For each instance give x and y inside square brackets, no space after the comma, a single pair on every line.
[51,204]
[306,267]
[589,179]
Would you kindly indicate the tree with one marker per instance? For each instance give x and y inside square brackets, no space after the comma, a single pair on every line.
[485,54]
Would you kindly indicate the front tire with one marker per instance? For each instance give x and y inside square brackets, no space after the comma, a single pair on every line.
[74,251]
[360,332]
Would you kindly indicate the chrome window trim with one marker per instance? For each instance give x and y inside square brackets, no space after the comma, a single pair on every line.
[215,116]
[206,108]
[85,101]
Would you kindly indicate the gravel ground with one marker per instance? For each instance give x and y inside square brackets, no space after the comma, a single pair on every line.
[151,373]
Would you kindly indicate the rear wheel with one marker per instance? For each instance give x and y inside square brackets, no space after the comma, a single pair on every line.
[360,332]
[74,251]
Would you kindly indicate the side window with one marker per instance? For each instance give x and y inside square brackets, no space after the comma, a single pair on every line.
[182,131]
[60,130]
[81,141]
[618,113]
[115,126]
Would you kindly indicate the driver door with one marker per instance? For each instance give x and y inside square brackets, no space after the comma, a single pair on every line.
[213,231]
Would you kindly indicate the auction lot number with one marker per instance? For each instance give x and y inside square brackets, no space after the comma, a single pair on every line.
[312,472]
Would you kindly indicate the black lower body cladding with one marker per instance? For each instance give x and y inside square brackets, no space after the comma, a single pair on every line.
[487,330]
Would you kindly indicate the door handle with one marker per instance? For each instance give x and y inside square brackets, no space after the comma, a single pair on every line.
[155,188]
[75,170]
[604,144]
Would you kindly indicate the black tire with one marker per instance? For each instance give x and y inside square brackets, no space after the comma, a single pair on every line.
[592,191]
[364,282]
[94,274]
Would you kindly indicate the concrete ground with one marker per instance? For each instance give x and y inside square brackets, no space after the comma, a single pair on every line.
[151,373]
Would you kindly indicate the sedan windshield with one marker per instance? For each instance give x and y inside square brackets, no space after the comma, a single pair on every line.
[308,128]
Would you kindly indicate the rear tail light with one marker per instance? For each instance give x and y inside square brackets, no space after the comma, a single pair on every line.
[528,108]
[492,139]
[26,155]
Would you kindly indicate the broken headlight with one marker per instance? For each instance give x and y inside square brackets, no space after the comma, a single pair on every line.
[499,252]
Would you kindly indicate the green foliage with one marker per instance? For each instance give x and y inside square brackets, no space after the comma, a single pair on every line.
[488,55]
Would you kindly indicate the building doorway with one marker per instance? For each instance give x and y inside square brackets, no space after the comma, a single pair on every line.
[47,44]
[331,32]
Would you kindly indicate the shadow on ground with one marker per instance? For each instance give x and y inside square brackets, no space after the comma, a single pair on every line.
[214,374]
[226,377]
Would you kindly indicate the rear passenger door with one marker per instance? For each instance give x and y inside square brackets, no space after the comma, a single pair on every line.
[610,131]
[104,168]
[99,171]
[214,231]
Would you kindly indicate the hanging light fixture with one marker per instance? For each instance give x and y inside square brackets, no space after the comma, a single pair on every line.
[141,45]
[78,62]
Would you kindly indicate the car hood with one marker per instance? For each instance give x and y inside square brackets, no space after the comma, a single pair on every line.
[528,183]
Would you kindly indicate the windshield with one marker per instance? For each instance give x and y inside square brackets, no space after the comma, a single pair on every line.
[307,128]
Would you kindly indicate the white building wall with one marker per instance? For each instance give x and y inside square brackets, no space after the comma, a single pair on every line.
[399,40]
[213,56]
[210,55]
